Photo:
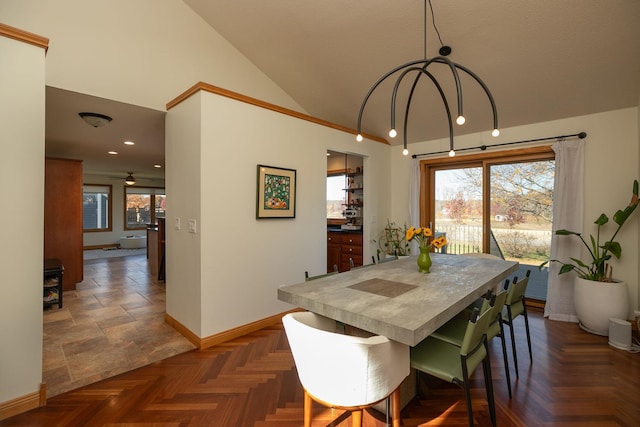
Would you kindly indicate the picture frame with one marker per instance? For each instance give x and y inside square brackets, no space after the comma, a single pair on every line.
[276,192]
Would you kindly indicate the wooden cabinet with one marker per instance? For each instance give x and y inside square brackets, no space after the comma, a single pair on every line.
[63,217]
[340,247]
[156,249]
[350,247]
[333,250]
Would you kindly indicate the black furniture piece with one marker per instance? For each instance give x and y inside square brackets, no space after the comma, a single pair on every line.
[53,271]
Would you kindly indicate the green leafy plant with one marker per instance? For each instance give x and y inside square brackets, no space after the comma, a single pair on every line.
[598,268]
[392,240]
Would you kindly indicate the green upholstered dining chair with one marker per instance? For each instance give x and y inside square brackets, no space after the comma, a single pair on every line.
[453,331]
[319,276]
[514,306]
[455,364]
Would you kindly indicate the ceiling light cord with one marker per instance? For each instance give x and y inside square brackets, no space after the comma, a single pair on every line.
[420,67]
[433,21]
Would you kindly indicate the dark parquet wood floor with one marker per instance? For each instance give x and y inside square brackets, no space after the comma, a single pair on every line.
[576,379]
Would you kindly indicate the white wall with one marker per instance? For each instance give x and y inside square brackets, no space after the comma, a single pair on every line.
[103,238]
[183,164]
[231,269]
[22,107]
[611,164]
[142,52]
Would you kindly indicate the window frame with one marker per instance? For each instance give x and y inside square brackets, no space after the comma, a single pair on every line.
[109,228]
[483,160]
[152,193]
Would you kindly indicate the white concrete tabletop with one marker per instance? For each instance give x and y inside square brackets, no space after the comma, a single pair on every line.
[394,300]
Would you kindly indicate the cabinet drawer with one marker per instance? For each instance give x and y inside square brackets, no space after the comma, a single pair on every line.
[351,250]
[352,239]
[344,261]
[334,238]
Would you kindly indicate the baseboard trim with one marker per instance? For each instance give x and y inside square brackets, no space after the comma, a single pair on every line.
[228,335]
[90,248]
[23,404]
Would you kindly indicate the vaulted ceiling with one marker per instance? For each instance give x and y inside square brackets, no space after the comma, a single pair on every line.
[542,60]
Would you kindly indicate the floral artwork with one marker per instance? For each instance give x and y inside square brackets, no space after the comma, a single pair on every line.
[276,192]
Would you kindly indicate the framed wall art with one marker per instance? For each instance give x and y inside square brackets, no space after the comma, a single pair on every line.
[276,192]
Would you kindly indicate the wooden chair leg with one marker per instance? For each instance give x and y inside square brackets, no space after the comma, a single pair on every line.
[308,409]
[356,418]
[395,407]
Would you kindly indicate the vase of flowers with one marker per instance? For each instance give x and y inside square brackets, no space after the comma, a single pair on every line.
[597,295]
[426,241]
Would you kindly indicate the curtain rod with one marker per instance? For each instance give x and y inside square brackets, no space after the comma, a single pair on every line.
[580,135]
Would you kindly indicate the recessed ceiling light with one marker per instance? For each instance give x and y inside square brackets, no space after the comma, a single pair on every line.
[113,152]
[129,143]
[157,166]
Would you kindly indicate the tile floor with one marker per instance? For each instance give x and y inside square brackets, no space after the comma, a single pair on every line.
[112,323]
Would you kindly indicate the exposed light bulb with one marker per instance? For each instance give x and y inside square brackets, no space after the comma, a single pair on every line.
[393,133]
[495,133]
[452,153]
[405,152]
[460,120]
[359,138]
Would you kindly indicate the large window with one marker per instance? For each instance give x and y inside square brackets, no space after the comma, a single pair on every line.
[143,206]
[499,203]
[96,207]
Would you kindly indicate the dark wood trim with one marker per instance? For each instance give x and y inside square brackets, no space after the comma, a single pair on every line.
[267,105]
[24,36]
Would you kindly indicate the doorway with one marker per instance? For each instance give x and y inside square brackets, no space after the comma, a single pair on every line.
[113,321]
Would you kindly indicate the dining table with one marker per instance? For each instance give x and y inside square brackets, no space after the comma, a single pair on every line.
[395,300]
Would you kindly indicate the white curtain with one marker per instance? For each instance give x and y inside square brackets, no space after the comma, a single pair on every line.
[567,214]
[414,201]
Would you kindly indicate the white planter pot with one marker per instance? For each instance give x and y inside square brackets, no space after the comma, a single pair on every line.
[597,302]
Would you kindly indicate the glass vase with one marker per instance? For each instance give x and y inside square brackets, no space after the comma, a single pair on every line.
[424,260]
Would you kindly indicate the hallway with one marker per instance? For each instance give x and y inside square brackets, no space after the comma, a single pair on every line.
[112,323]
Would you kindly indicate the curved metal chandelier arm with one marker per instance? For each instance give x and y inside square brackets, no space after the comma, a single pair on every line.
[453,66]
[394,93]
[444,101]
[486,91]
[375,86]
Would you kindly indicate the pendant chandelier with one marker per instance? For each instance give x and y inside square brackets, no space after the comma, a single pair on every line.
[419,69]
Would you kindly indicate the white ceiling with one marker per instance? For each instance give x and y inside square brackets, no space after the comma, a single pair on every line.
[542,60]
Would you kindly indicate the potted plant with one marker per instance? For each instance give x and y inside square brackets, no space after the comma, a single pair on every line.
[392,240]
[597,295]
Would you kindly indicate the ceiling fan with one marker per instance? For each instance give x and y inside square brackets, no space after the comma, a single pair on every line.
[129,180]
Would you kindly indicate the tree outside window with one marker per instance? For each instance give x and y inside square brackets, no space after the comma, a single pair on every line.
[143,206]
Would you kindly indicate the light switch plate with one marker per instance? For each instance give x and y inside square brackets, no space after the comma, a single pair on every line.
[192,226]
[176,223]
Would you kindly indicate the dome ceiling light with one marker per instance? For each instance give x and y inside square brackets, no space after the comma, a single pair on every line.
[94,119]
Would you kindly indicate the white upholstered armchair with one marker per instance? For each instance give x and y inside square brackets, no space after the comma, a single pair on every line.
[342,371]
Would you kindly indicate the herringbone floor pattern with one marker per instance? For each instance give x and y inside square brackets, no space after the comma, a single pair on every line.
[576,379]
